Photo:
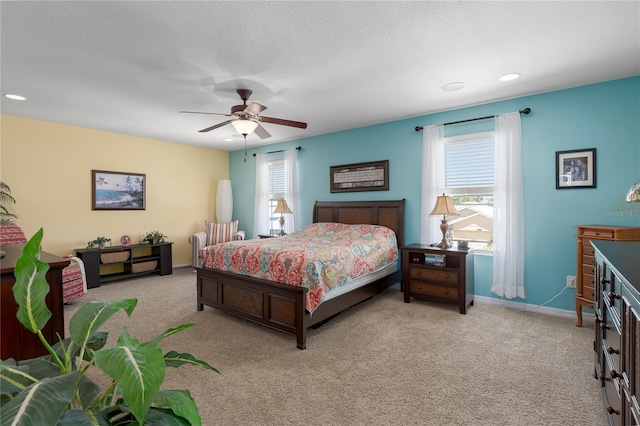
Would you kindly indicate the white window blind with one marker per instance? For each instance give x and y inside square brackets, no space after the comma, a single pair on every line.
[276,179]
[469,165]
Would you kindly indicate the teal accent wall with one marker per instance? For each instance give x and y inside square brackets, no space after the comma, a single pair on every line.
[605,116]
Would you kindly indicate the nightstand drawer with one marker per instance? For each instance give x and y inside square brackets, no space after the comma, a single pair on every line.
[443,276]
[444,292]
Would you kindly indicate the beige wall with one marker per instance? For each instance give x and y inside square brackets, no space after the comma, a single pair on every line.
[48,168]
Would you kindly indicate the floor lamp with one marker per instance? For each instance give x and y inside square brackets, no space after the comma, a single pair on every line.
[224,201]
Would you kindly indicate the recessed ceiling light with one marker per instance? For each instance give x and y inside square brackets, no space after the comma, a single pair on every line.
[509,77]
[15,97]
[452,87]
[228,140]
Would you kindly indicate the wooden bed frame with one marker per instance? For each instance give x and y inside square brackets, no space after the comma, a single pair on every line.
[282,307]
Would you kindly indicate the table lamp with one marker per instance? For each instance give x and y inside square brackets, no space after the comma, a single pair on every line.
[282,208]
[633,196]
[444,206]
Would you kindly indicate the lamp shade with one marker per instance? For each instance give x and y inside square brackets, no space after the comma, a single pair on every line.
[224,201]
[244,127]
[282,207]
[444,205]
[633,196]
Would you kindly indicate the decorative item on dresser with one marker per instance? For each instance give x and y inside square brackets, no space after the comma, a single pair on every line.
[617,331]
[586,264]
[439,275]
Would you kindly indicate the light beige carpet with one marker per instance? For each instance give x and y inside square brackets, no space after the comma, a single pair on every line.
[383,362]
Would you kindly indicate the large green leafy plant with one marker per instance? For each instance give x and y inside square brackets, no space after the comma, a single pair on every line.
[56,389]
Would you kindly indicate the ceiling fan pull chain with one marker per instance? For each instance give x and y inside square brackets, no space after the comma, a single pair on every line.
[245,148]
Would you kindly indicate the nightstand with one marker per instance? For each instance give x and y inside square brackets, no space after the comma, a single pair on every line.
[450,283]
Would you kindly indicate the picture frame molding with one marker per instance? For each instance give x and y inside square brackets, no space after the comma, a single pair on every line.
[564,180]
[127,201]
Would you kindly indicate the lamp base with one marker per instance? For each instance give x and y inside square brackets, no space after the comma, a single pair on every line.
[281,220]
[444,227]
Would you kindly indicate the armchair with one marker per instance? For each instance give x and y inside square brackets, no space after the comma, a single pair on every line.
[214,233]
[74,282]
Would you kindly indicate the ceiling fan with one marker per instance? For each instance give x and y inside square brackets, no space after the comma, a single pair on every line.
[246,118]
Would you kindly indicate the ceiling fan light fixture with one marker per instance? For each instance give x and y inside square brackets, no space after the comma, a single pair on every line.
[244,127]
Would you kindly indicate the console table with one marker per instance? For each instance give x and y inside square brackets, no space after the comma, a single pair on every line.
[119,262]
[16,341]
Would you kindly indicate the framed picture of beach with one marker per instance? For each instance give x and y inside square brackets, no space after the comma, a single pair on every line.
[117,190]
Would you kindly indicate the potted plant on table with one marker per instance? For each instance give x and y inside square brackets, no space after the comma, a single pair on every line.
[153,237]
[56,389]
[99,242]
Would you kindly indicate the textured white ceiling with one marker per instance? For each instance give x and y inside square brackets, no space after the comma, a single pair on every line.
[129,67]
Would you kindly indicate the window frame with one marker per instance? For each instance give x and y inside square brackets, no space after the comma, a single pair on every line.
[471,191]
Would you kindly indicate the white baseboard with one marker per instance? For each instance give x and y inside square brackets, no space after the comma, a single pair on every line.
[528,307]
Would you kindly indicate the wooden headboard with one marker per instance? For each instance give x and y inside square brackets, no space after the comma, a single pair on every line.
[385,213]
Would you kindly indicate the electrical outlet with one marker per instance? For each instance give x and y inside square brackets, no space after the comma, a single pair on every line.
[571,281]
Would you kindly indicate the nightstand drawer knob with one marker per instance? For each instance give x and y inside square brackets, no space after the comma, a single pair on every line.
[612,410]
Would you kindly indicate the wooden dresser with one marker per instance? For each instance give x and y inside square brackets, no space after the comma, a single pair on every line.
[585,267]
[617,331]
[15,340]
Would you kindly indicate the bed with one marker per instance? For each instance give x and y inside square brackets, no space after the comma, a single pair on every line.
[283,307]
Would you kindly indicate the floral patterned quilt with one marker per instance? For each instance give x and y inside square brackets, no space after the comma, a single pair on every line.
[320,257]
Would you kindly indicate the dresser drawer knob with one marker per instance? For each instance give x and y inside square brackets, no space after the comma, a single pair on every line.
[612,297]
[616,375]
[419,273]
[611,351]
[612,410]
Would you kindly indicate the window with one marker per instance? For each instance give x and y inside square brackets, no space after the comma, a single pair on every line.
[469,180]
[276,192]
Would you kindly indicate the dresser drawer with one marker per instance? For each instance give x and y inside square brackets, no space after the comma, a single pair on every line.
[588,270]
[588,249]
[444,292]
[599,233]
[430,274]
[588,291]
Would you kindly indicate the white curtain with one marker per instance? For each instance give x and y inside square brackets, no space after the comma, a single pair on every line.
[261,214]
[291,189]
[432,182]
[508,209]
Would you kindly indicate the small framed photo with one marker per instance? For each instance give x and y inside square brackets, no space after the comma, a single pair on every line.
[117,190]
[576,168]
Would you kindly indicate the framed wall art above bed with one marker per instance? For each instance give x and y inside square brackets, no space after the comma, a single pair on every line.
[371,176]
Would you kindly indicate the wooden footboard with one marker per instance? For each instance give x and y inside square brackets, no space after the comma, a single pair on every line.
[274,305]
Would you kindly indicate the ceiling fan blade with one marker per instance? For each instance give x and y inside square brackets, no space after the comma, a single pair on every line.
[210,113]
[208,129]
[282,122]
[261,132]
[254,108]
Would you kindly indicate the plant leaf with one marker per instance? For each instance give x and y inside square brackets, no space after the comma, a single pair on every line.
[92,315]
[175,359]
[41,403]
[168,332]
[164,417]
[139,371]
[181,403]
[77,417]
[31,286]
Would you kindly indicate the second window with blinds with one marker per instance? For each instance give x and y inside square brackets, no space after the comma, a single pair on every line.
[469,180]
[276,192]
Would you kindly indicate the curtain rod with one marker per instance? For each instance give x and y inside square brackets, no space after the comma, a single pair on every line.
[522,111]
[298,148]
